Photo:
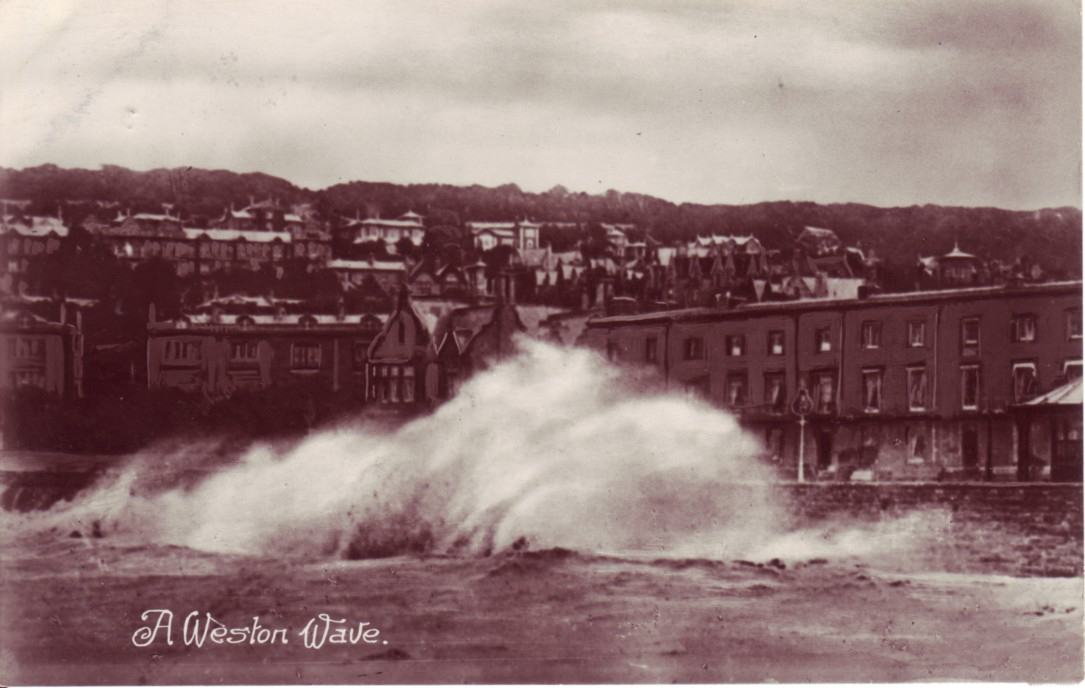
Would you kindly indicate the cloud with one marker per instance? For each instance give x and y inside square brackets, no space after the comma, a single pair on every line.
[914,102]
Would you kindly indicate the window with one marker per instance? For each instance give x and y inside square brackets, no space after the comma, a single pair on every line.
[822,340]
[776,343]
[1024,328]
[181,352]
[917,389]
[774,443]
[824,392]
[408,384]
[382,373]
[1071,369]
[243,351]
[970,337]
[736,389]
[970,454]
[26,347]
[736,345]
[775,393]
[917,334]
[970,387]
[872,390]
[1024,381]
[402,331]
[872,335]
[393,385]
[650,351]
[916,440]
[305,356]
[693,349]
[697,388]
[1073,323]
[612,351]
[28,377]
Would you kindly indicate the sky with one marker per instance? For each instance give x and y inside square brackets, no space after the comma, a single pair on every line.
[962,102]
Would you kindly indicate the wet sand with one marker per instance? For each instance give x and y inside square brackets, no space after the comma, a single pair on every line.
[70,606]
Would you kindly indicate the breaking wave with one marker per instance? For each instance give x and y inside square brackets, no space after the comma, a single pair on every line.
[551,448]
[548,449]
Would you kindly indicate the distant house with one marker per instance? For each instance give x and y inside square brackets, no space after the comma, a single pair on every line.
[398,371]
[158,224]
[410,367]
[617,236]
[407,226]
[26,238]
[389,275]
[42,353]
[815,241]
[518,235]
[271,216]
[449,281]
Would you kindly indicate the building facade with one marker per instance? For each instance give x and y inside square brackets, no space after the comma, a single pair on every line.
[220,354]
[522,236]
[390,231]
[912,386]
[42,353]
[24,239]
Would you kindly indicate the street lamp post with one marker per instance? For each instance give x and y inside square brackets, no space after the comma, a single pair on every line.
[802,406]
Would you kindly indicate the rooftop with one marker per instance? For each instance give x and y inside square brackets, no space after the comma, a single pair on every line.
[710,313]
[1064,395]
[342,264]
[255,236]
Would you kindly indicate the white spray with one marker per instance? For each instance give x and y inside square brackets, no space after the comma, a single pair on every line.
[549,449]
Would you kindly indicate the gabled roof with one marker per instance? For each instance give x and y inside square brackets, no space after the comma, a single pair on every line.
[404,309]
[958,253]
[818,232]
